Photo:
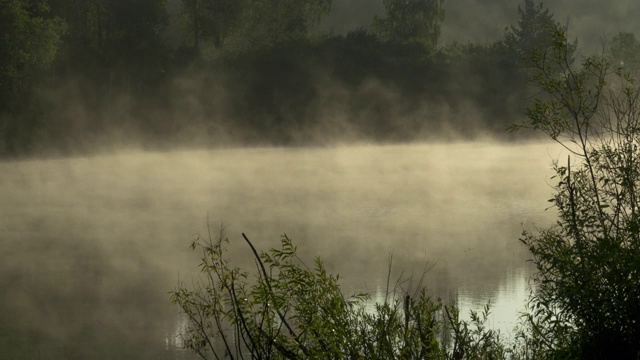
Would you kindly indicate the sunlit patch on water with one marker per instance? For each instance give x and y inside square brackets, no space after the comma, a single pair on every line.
[175,339]
[507,302]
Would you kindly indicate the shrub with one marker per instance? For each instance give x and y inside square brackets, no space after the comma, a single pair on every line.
[287,310]
[587,298]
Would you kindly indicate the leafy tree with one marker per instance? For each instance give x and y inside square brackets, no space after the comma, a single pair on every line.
[624,50]
[272,22]
[533,34]
[115,41]
[87,30]
[416,21]
[134,39]
[29,42]
[212,19]
[587,288]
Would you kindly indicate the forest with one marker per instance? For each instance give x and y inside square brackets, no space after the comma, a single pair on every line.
[97,75]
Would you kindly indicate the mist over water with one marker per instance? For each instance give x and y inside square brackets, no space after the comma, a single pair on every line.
[91,245]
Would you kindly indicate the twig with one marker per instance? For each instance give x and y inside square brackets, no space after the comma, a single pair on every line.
[266,279]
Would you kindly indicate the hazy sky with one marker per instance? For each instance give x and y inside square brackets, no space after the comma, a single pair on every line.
[485,20]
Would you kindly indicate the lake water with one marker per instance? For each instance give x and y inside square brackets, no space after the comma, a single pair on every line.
[90,246]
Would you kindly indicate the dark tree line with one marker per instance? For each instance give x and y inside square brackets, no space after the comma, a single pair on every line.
[81,75]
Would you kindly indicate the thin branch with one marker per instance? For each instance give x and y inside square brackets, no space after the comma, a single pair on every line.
[266,279]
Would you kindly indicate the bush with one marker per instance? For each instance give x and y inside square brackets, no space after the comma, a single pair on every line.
[587,298]
[287,310]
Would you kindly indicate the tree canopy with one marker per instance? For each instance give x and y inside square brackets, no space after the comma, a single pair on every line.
[262,70]
[533,34]
[624,49]
[29,43]
[416,21]
[274,22]
[214,20]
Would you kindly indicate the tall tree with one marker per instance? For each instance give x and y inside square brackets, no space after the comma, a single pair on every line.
[416,21]
[134,37]
[211,20]
[113,41]
[270,22]
[87,27]
[29,43]
[624,49]
[534,33]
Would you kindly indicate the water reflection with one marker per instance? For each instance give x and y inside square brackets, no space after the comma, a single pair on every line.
[507,302]
[174,340]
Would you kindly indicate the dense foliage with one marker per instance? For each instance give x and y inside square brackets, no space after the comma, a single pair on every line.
[29,44]
[587,289]
[411,21]
[155,73]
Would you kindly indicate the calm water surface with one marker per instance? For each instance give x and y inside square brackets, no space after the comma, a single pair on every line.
[90,246]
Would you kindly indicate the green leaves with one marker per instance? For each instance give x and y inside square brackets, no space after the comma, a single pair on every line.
[416,21]
[271,23]
[588,262]
[288,310]
[29,43]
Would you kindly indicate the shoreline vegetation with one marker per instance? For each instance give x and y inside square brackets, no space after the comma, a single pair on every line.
[157,74]
[287,309]
[585,297]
